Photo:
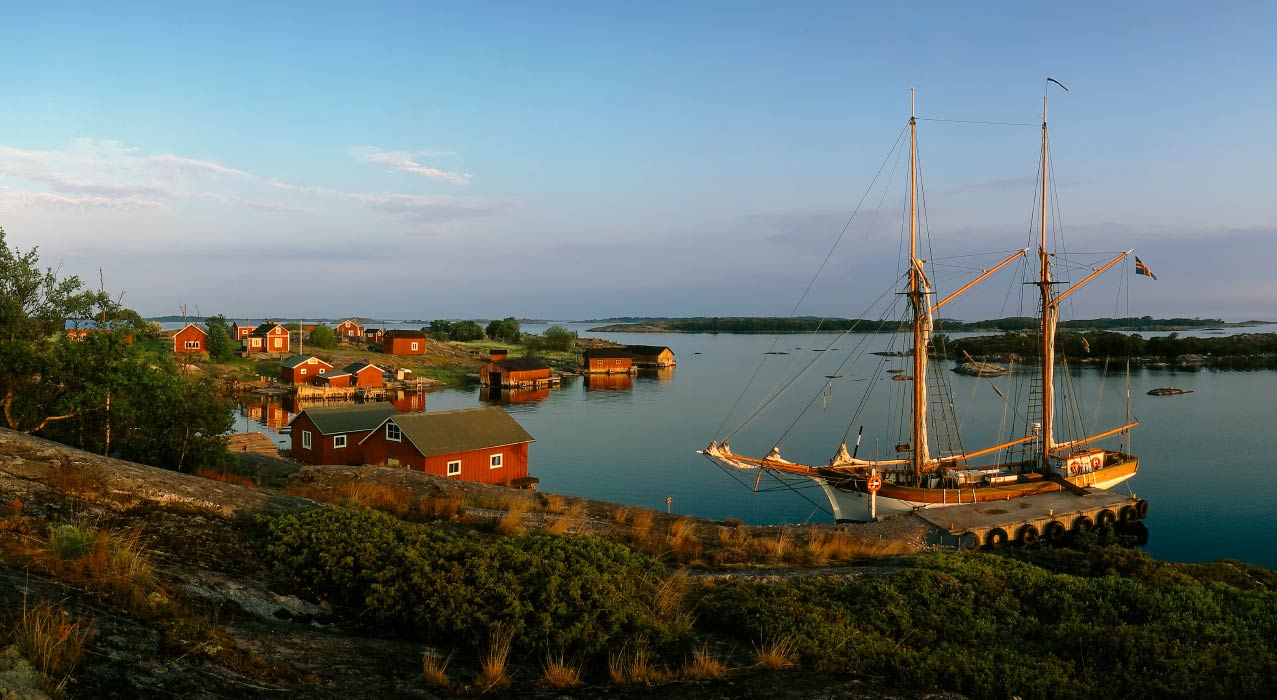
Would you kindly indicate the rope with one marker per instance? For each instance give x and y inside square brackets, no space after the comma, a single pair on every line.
[971,121]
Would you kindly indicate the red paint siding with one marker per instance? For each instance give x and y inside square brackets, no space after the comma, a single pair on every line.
[609,365]
[474,464]
[349,330]
[368,376]
[340,380]
[304,373]
[321,446]
[403,346]
[190,334]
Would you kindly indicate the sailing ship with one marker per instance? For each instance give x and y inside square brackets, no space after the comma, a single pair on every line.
[920,477]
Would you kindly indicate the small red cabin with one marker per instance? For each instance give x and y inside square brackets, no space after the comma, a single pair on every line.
[268,337]
[404,343]
[364,374]
[348,330]
[607,361]
[332,434]
[333,379]
[474,444]
[190,339]
[515,372]
[301,369]
[241,332]
[374,335]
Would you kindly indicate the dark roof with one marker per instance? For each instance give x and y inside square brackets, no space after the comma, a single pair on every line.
[647,349]
[450,432]
[264,328]
[329,375]
[348,419]
[357,367]
[404,334]
[608,352]
[372,330]
[521,364]
[298,360]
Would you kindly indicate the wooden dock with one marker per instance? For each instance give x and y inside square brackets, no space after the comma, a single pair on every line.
[256,443]
[1025,520]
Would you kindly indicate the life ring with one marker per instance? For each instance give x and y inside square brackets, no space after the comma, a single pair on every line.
[996,538]
[1141,508]
[1096,463]
[1073,469]
[1055,531]
[1028,535]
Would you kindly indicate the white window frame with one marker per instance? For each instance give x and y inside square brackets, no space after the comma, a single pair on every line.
[305,439]
[495,461]
[414,345]
[339,442]
[398,433]
[192,344]
[322,370]
[454,468]
[279,342]
[303,370]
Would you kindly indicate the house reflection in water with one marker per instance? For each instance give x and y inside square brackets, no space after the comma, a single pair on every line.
[664,374]
[607,382]
[500,397]
[408,401]
[269,413]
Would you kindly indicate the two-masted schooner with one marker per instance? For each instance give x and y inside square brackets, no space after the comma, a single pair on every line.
[917,477]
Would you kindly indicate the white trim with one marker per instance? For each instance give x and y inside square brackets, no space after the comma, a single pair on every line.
[450,472]
[496,461]
[414,345]
[398,431]
[343,442]
[302,370]
[306,440]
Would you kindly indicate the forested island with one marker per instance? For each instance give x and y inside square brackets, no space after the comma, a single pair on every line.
[811,324]
[1241,351]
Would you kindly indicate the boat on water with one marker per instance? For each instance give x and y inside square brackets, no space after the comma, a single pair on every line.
[930,467]
[1168,391]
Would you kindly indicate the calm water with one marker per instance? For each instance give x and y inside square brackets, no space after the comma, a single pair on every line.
[1207,458]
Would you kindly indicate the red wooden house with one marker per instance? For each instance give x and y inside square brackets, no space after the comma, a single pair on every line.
[474,444]
[241,331]
[190,339]
[332,434]
[301,369]
[607,361]
[268,337]
[349,331]
[514,372]
[364,374]
[334,379]
[652,355]
[404,343]
[374,335]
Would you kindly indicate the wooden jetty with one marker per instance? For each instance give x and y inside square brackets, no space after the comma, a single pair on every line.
[256,443]
[1025,520]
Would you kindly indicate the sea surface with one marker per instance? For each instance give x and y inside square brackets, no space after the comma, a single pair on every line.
[1208,459]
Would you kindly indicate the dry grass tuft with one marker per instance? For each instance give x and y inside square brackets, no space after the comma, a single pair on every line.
[365,494]
[52,642]
[571,519]
[493,671]
[440,508]
[734,544]
[552,502]
[776,655]
[640,520]
[434,668]
[683,538]
[512,522]
[558,674]
[669,604]
[779,546]
[635,666]
[113,563]
[227,477]
[79,480]
[704,665]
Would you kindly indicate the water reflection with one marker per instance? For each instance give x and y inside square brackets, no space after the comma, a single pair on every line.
[609,382]
[501,397]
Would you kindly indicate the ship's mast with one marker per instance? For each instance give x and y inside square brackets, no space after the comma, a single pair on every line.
[921,311]
[1048,314]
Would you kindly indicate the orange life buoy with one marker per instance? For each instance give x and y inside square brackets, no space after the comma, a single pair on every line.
[874,483]
[1073,469]
[1096,462]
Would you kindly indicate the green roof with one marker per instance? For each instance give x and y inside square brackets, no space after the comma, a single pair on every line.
[330,420]
[450,432]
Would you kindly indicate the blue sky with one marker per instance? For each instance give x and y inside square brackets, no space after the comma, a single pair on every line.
[571,160]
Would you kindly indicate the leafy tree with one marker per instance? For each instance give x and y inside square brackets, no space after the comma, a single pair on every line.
[35,305]
[441,329]
[559,338]
[323,336]
[506,329]
[465,331]
[220,345]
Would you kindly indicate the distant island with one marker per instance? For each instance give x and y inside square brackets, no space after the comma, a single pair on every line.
[809,324]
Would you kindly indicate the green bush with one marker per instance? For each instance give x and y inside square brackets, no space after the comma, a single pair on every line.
[557,593]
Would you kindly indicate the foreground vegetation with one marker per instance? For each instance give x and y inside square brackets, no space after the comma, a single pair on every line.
[1039,623]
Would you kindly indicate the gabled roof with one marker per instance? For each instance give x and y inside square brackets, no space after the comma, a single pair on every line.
[647,349]
[192,325]
[357,367]
[521,364]
[348,419]
[450,432]
[266,328]
[405,334]
[372,330]
[299,360]
[608,352]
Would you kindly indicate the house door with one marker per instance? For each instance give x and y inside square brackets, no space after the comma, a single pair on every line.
[494,378]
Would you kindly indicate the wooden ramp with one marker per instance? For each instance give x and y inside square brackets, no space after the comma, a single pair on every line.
[1026,519]
[252,442]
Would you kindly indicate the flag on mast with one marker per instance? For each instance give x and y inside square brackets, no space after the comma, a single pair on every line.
[1142,269]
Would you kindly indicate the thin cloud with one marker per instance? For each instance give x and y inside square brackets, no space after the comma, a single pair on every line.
[404,162]
[11,199]
[428,209]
